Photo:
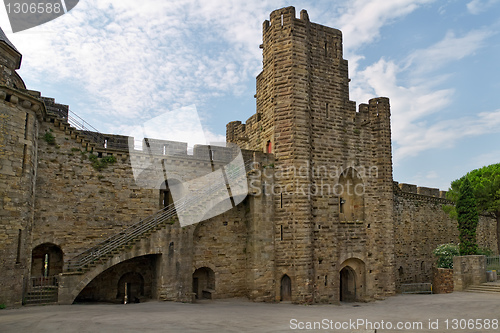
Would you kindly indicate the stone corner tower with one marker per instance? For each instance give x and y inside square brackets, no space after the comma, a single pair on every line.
[20,114]
[333,166]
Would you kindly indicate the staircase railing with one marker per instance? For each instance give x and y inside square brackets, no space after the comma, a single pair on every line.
[88,130]
[162,216]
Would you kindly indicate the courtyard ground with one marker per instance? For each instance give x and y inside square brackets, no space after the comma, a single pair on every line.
[240,315]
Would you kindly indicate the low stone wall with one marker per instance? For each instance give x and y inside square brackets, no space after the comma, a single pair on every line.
[468,271]
[442,280]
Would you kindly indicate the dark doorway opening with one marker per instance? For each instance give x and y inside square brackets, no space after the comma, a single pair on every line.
[134,286]
[347,285]
[286,288]
[204,283]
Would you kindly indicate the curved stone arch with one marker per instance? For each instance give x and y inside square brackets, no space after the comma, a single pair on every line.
[285,288]
[357,267]
[202,265]
[204,282]
[70,295]
[134,277]
[351,189]
[46,240]
[47,253]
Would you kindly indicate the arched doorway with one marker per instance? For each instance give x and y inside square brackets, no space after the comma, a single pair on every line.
[46,260]
[286,288]
[133,284]
[352,280]
[204,283]
[347,285]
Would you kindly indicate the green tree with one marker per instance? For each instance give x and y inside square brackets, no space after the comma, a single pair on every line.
[467,218]
[485,184]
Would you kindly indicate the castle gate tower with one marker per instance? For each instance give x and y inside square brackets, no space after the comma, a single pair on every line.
[333,165]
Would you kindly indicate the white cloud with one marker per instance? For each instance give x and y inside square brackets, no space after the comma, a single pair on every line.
[421,94]
[132,59]
[444,134]
[361,20]
[450,48]
[491,157]
[478,6]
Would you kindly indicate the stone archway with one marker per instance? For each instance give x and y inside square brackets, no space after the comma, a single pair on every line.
[46,260]
[133,283]
[286,288]
[352,280]
[204,283]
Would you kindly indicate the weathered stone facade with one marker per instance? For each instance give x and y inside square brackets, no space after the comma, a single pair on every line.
[323,221]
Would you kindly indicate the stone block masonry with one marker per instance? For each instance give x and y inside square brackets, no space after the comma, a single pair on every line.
[323,222]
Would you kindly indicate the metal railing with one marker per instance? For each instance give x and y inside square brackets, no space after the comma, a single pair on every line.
[163,216]
[88,130]
[42,290]
[493,264]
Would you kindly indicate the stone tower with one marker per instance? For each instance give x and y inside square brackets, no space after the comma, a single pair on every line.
[333,169]
[20,113]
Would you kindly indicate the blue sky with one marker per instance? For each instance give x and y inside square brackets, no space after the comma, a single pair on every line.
[121,62]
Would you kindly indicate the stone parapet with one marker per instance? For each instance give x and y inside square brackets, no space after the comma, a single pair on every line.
[468,271]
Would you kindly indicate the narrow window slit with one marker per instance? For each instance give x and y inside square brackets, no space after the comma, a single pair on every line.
[26,122]
[19,239]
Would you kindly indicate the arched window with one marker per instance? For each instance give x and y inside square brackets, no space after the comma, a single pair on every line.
[269,147]
[351,190]
[46,260]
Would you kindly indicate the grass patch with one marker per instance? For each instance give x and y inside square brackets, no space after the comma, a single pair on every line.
[49,138]
[102,163]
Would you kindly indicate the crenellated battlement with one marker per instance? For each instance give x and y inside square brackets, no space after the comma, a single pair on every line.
[411,189]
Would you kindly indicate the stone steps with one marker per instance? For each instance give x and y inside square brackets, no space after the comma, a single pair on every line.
[484,288]
[46,295]
[127,246]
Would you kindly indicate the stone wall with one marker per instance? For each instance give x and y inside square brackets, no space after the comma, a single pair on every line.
[77,205]
[421,225]
[305,117]
[468,271]
[19,117]
[442,280]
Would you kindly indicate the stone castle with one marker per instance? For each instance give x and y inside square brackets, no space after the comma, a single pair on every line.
[323,222]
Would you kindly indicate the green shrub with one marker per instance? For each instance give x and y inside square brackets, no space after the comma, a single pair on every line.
[2,306]
[49,138]
[102,163]
[445,254]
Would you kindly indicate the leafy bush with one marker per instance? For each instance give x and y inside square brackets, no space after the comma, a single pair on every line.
[2,306]
[445,254]
[102,163]
[49,138]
